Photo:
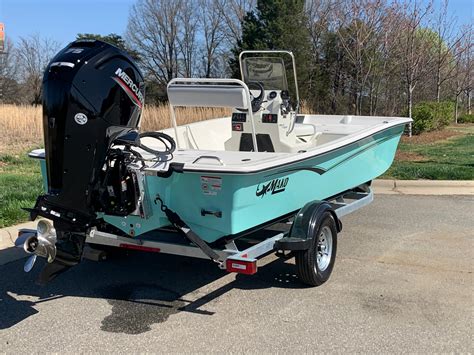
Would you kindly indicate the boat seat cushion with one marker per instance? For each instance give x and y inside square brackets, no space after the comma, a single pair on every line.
[304,129]
[200,95]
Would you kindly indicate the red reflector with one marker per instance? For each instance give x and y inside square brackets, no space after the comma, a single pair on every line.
[139,247]
[242,267]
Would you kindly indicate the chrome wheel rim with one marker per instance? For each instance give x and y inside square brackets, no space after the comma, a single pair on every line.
[324,248]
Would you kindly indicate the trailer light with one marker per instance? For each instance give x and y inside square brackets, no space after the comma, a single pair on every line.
[139,247]
[246,267]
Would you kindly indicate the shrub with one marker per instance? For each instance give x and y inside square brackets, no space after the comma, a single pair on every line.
[431,116]
[466,118]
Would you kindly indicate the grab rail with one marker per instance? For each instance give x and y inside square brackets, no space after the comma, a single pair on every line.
[209,157]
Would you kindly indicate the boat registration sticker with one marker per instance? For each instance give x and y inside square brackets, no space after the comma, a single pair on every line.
[211,185]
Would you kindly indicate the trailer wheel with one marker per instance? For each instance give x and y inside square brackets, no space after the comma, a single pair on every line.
[314,266]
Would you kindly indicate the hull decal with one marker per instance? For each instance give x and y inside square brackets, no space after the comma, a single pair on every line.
[320,171]
[370,146]
[275,186]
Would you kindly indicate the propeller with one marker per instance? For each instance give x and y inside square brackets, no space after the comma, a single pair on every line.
[60,256]
[41,242]
[20,241]
[30,263]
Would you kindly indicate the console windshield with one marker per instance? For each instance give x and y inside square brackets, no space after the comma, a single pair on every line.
[270,71]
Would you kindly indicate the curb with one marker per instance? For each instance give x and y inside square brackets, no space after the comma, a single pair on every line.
[8,235]
[423,187]
[7,243]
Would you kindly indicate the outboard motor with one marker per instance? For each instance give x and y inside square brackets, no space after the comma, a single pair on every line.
[93,95]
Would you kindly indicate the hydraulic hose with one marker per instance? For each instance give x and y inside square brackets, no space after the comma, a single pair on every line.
[168,142]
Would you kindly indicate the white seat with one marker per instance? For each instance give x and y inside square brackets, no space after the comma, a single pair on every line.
[207,95]
[304,129]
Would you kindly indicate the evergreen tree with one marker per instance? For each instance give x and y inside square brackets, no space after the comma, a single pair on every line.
[278,24]
[253,37]
[113,39]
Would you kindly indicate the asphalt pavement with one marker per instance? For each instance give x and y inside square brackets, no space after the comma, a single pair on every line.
[402,282]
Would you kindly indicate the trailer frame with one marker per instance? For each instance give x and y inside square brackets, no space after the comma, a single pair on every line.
[232,259]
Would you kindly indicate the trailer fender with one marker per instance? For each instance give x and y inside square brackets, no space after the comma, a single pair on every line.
[305,224]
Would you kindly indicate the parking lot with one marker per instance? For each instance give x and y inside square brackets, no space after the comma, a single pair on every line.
[402,282]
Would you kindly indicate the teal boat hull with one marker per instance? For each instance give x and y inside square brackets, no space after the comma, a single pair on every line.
[217,205]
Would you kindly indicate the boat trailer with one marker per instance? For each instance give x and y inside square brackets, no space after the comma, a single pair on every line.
[239,255]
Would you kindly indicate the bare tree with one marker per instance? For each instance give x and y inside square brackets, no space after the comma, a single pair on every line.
[153,29]
[412,46]
[213,30]
[233,13]
[359,27]
[188,17]
[318,14]
[8,71]
[34,54]
[374,56]
[463,70]
[446,42]
[384,63]
[469,68]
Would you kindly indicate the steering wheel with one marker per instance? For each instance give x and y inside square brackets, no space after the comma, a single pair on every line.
[258,100]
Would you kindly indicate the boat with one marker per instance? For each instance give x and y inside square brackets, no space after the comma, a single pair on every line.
[215,180]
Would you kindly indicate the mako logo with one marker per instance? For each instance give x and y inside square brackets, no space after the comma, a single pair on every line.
[130,88]
[273,187]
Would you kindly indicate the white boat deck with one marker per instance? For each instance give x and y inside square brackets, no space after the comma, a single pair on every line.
[209,137]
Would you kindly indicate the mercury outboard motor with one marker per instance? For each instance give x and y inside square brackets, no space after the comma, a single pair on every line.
[93,95]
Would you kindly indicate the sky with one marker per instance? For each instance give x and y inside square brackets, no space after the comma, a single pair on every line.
[61,20]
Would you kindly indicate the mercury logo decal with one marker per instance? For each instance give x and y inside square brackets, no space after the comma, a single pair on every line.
[273,187]
[80,118]
[130,88]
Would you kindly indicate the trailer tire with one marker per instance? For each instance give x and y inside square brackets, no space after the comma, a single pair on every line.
[312,270]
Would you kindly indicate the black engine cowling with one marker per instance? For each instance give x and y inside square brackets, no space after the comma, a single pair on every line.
[92,94]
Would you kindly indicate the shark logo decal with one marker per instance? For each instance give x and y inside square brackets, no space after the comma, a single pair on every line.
[273,187]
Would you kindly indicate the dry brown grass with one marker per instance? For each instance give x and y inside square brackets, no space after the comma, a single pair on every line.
[22,126]
[431,137]
[158,117]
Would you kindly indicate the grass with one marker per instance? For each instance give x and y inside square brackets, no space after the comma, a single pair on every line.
[446,159]
[20,184]
[22,125]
